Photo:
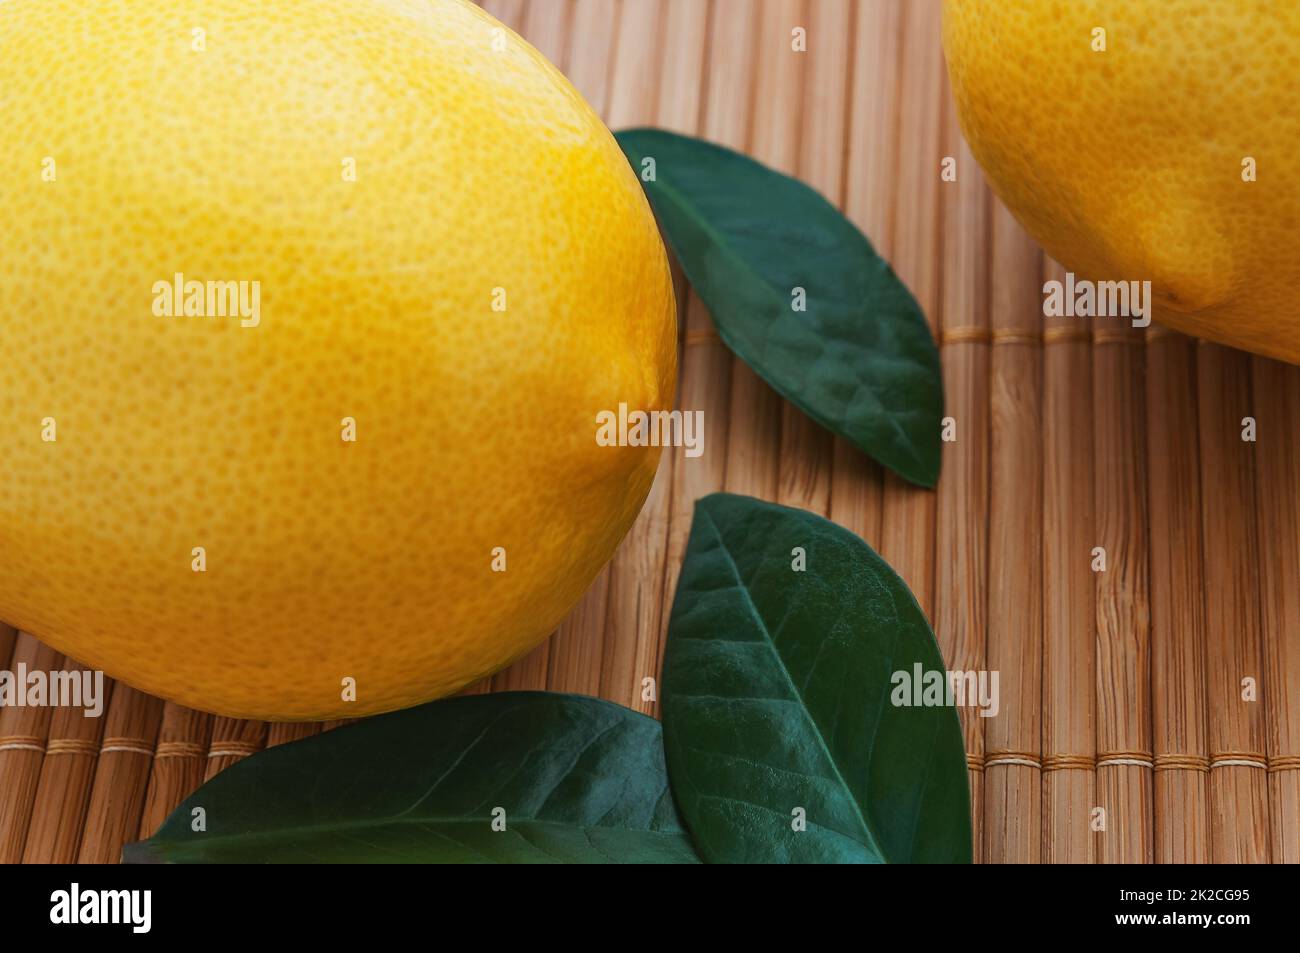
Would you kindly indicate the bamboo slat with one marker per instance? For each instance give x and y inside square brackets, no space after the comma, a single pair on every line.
[681,108]
[1239,821]
[179,766]
[1013,742]
[233,739]
[1124,764]
[754,424]
[24,732]
[63,793]
[1071,823]
[636,574]
[1277,473]
[546,26]
[961,536]
[857,483]
[706,363]
[1178,689]
[908,512]
[804,467]
[121,775]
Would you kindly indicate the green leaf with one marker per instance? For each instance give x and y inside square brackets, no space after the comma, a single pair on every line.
[777,695]
[860,360]
[581,780]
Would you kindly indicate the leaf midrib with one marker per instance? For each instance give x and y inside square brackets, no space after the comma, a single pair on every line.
[872,843]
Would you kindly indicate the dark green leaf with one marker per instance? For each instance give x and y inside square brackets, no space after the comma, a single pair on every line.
[860,360]
[580,780]
[777,695]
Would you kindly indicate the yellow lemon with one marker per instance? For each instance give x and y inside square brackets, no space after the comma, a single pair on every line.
[1147,140]
[307,314]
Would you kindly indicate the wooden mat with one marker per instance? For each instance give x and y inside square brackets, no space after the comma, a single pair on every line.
[1126,698]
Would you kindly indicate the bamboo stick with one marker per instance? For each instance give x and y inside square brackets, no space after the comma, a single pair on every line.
[1277,474]
[705,380]
[180,761]
[815,125]
[754,418]
[63,793]
[651,84]
[778,85]
[682,78]
[636,571]
[1239,821]
[1181,746]
[576,648]
[528,674]
[681,108]
[636,584]
[1069,598]
[635,75]
[24,731]
[963,492]
[546,26]
[870,174]
[1013,805]
[592,28]
[908,520]
[509,12]
[1124,764]
[121,775]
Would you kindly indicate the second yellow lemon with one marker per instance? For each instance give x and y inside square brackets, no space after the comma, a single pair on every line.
[1147,140]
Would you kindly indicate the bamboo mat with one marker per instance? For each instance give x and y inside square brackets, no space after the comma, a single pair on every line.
[1121,691]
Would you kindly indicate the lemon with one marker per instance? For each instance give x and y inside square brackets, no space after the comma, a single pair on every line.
[307,312]
[1147,140]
